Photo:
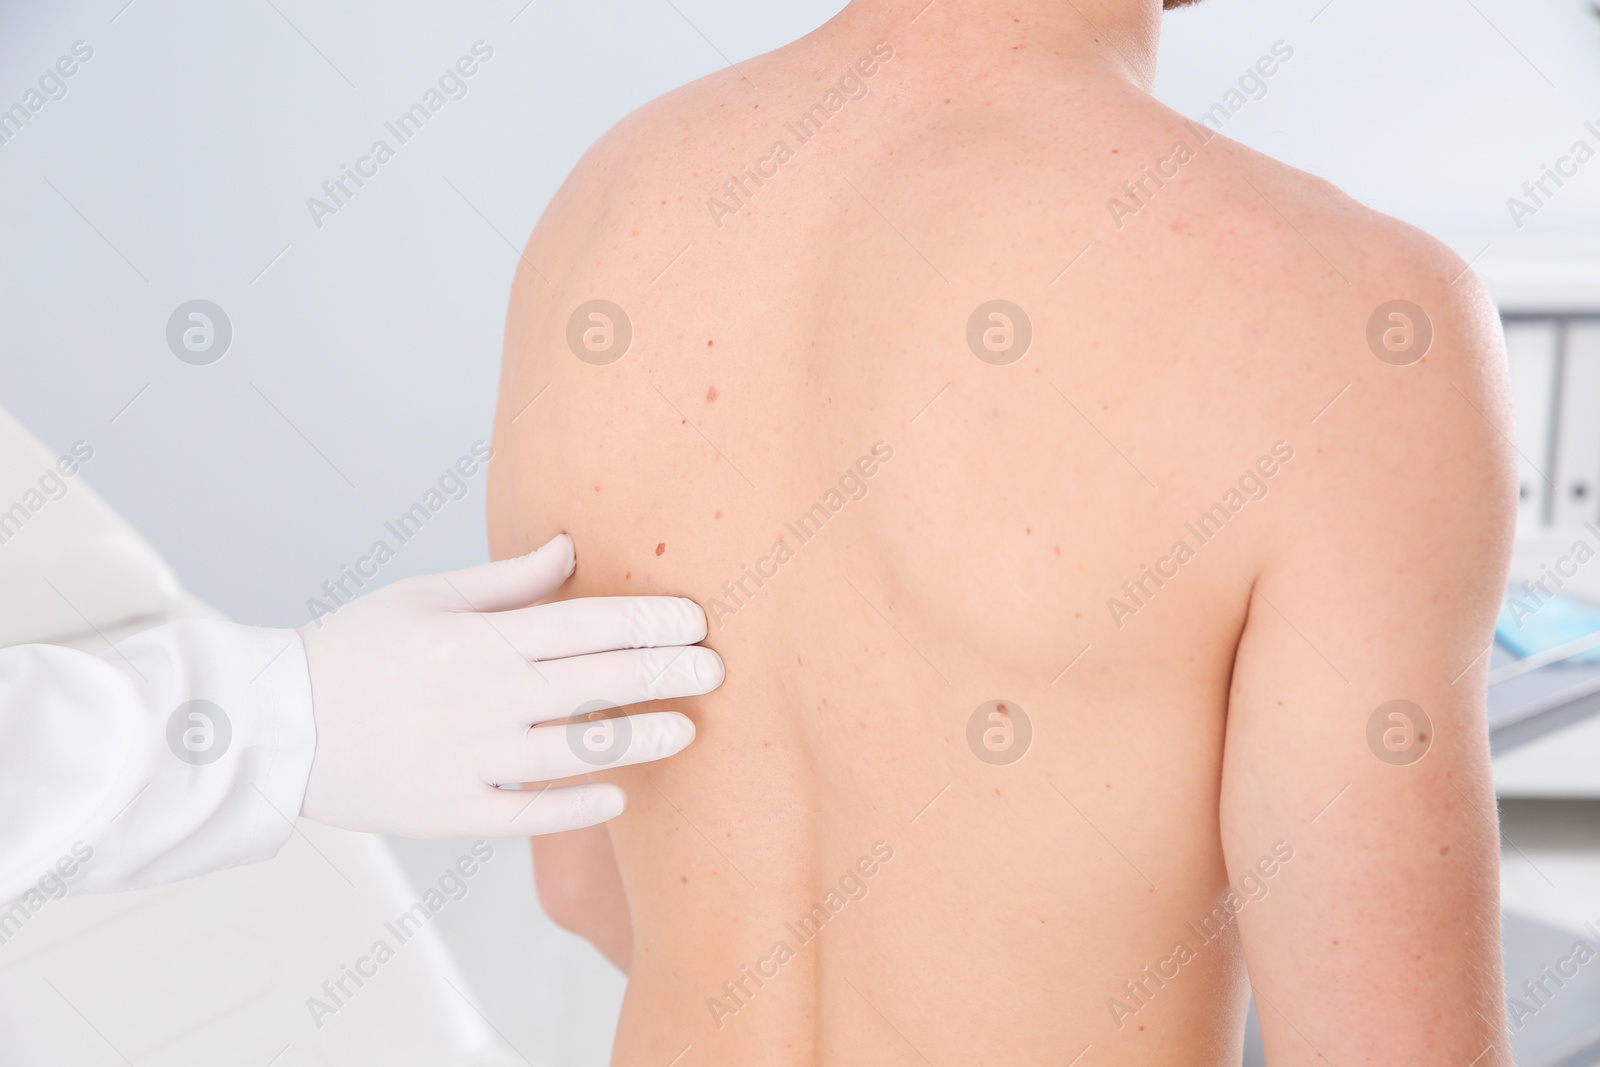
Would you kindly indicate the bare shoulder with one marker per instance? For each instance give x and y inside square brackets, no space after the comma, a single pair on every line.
[1360,297]
[1343,257]
[1354,336]
[1391,347]
[635,173]
[654,167]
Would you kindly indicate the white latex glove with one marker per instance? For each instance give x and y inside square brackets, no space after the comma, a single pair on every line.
[426,694]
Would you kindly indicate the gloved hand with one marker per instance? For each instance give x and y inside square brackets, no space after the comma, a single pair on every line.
[426,695]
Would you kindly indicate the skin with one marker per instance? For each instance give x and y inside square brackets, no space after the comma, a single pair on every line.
[1211,736]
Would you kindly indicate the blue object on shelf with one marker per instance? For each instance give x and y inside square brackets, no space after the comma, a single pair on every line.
[1528,625]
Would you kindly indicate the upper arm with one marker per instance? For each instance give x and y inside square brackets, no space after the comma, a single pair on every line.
[1379,941]
[580,888]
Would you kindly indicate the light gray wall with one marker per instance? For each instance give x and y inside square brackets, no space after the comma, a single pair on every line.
[363,362]
[1434,111]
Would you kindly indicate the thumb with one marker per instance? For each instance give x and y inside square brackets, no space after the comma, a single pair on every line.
[547,810]
[512,583]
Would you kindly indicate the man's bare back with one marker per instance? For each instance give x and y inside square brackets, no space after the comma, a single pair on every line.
[1060,555]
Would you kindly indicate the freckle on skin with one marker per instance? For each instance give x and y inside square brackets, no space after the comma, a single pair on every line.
[684,878]
[1445,851]
[718,515]
[711,395]
[662,547]
[628,576]
[1057,549]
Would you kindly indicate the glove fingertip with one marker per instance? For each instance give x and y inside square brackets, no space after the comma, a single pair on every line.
[609,801]
[686,728]
[561,546]
[698,628]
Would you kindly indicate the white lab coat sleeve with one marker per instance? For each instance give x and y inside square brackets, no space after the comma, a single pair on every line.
[181,750]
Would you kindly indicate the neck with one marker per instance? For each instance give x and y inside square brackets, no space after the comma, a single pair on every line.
[1118,36]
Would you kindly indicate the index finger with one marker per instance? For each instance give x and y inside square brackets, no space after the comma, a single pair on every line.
[602,624]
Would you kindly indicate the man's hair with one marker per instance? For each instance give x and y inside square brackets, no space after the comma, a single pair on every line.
[1170,4]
